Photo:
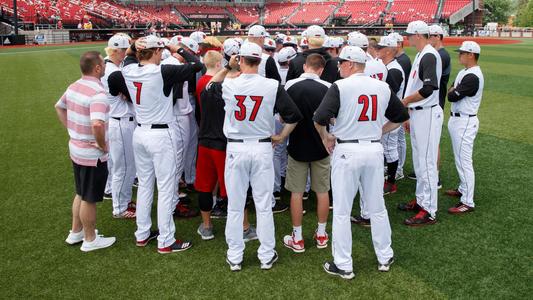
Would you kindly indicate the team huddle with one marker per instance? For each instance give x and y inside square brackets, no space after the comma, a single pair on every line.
[239,121]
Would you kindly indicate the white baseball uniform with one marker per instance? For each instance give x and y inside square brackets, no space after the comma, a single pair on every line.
[155,143]
[426,119]
[121,127]
[463,126]
[358,159]
[250,103]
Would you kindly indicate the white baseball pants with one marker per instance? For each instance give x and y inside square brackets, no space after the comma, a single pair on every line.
[108,185]
[249,163]
[281,158]
[354,165]
[390,142]
[463,131]
[188,133]
[402,150]
[426,127]
[156,158]
[123,167]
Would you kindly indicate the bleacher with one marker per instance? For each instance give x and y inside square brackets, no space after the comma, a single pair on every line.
[313,13]
[362,11]
[452,6]
[245,15]
[405,11]
[276,13]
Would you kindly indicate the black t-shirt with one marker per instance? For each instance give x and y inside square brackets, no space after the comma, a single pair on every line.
[405,63]
[446,70]
[296,65]
[305,143]
[286,108]
[329,108]
[211,134]
[468,86]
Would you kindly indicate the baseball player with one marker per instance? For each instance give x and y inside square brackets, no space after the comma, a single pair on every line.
[465,95]
[357,157]
[121,127]
[395,78]
[155,138]
[267,68]
[426,117]
[401,56]
[250,103]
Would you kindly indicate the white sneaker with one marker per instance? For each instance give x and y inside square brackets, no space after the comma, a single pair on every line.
[76,237]
[99,242]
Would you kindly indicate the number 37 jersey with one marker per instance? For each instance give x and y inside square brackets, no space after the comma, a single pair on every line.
[361,105]
[250,103]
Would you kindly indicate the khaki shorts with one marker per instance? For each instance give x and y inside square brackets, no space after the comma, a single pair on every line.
[297,175]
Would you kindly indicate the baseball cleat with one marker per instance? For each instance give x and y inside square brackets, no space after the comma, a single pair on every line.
[108,196]
[178,246]
[270,263]
[205,232]
[359,220]
[132,205]
[184,211]
[234,267]
[279,207]
[294,245]
[127,214]
[249,234]
[460,208]
[332,269]
[411,176]
[409,206]
[99,242]
[389,188]
[420,219]
[321,240]
[153,235]
[386,266]
[453,193]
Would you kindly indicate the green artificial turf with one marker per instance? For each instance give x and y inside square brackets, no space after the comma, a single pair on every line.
[486,254]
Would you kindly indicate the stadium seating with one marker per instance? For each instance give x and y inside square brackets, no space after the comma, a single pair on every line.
[362,11]
[276,13]
[245,15]
[405,11]
[313,13]
[452,6]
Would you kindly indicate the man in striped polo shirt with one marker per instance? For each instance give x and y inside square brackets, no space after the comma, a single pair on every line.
[84,111]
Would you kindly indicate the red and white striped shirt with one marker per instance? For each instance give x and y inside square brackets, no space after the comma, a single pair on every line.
[85,100]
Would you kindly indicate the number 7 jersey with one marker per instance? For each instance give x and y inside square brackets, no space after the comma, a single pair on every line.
[250,103]
[361,105]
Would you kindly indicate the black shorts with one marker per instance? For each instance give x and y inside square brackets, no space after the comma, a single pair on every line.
[90,181]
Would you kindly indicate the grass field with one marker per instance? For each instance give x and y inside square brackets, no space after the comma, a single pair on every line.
[486,254]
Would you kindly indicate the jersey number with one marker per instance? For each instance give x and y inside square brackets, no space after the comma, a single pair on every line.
[363,99]
[139,86]
[240,115]
[378,76]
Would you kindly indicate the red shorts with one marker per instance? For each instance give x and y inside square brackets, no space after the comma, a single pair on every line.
[210,169]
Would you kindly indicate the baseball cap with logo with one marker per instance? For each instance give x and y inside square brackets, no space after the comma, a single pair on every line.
[257,31]
[417,27]
[231,47]
[314,31]
[118,42]
[286,54]
[165,41]
[329,42]
[387,41]
[304,42]
[435,29]
[469,47]
[280,37]
[250,50]
[289,40]
[198,36]
[149,42]
[191,44]
[398,37]
[353,54]
[357,39]
[269,44]
[176,40]
[239,41]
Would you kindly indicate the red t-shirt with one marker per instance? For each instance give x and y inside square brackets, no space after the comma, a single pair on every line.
[200,86]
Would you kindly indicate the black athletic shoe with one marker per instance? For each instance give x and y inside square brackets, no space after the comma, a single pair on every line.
[411,176]
[332,269]
[220,211]
[306,196]
[277,195]
[108,196]
[270,263]
[439,185]
[279,207]
[360,221]
[178,246]
[136,182]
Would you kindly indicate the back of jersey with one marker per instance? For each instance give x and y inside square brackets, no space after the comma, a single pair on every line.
[363,102]
[250,101]
[375,68]
[145,84]
[118,107]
